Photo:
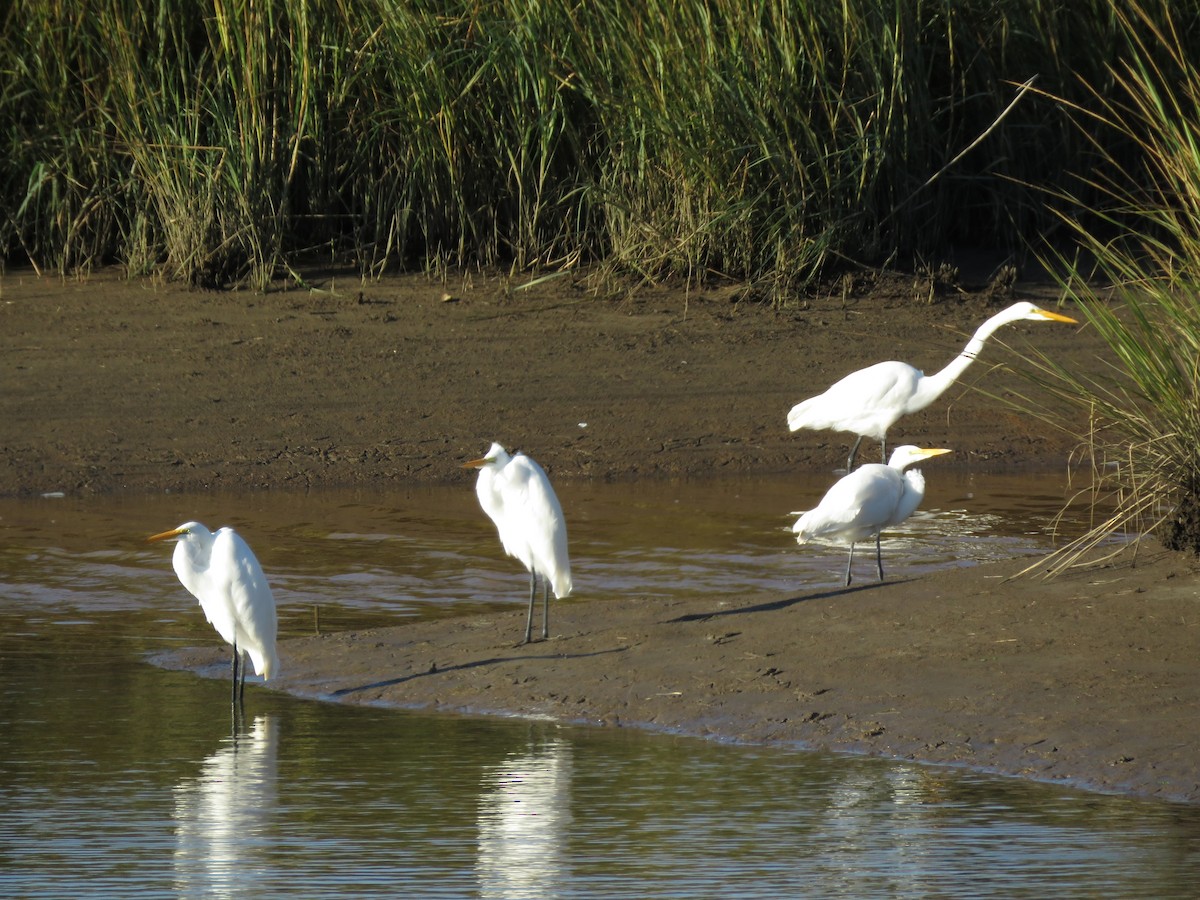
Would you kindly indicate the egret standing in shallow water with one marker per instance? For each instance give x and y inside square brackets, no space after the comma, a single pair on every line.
[516,494]
[866,501]
[222,573]
[868,402]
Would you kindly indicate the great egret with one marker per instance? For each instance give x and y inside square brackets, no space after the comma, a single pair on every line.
[872,497]
[516,494]
[221,571]
[868,402]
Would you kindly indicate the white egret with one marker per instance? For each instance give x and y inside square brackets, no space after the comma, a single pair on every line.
[872,497]
[516,494]
[868,402]
[222,573]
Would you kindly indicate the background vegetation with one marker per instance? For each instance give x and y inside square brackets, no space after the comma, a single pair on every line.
[223,140]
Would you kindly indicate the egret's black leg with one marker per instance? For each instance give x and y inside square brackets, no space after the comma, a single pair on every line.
[242,684]
[850,458]
[849,563]
[878,558]
[883,450]
[234,696]
[532,600]
[545,609]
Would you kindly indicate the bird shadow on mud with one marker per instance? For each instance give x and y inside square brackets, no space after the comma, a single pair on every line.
[785,602]
[435,669]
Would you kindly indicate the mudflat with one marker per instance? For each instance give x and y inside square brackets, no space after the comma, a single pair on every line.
[1088,678]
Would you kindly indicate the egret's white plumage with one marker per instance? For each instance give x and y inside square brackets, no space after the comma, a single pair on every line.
[868,402]
[221,571]
[871,498]
[516,494]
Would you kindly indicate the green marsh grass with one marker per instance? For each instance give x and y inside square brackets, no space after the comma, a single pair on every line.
[1140,290]
[223,141]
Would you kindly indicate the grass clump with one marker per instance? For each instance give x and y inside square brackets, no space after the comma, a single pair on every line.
[1138,288]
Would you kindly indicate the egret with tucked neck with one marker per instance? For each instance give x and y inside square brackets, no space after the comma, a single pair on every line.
[516,494]
[866,501]
[223,573]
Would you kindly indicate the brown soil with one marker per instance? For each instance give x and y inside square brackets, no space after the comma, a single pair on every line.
[1088,678]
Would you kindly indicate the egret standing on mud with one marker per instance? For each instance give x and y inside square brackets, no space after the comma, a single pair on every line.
[222,573]
[868,402]
[516,494]
[866,501]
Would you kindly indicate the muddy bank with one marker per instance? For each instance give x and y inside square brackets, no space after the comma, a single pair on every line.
[108,385]
[1089,678]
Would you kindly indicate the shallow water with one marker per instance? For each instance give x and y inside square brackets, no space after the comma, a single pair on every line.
[430,550]
[120,779]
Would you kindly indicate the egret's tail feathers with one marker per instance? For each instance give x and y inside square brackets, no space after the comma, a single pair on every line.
[562,585]
[795,417]
[800,527]
[265,664]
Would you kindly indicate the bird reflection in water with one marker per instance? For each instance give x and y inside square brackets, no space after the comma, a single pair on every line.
[221,815]
[524,814]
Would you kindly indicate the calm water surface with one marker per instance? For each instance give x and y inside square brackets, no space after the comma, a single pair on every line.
[120,779]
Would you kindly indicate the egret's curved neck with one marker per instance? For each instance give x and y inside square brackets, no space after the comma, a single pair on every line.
[932,386]
[191,561]
[196,552]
